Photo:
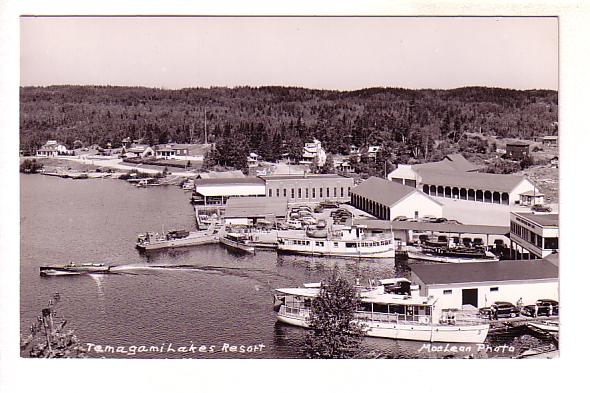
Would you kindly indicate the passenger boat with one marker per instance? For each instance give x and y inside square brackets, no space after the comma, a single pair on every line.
[73,269]
[389,314]
[238,241]
[176,238]
[451,255]
[341,241]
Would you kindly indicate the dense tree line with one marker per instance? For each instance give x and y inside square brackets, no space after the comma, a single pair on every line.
[271,121]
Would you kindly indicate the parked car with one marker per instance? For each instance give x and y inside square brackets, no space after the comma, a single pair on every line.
[308,220]
[329,205]
[440,219]
[294,224]
[541,208]
[500,310]
[542,308]
[428,218]
[400,218]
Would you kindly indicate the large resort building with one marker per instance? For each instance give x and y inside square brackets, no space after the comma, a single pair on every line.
[309,187]
[533,235]
[456,178]
[386,200]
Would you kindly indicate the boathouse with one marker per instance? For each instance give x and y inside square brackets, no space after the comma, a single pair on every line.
[218,190]
[309,187]
[386,200]
[457,178]
[533,235]
[248,210]
[479,284]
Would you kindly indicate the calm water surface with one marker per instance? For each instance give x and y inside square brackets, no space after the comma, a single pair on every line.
[203,295]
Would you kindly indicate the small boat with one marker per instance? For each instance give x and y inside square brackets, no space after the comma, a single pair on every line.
[73,269]
[239,241]
[392,309]
[548,326]
[176,238]
[449,255]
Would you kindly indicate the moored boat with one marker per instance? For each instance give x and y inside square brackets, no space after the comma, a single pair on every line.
[546,325]
[341,241]
[73,269]
[389,314]
[448,255]
[238,241]
[176,238]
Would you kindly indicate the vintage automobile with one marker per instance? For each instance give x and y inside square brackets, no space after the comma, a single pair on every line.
[500,310]
[542,308]
[541,208]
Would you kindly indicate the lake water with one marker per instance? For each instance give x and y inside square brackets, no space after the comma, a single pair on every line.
[204,295]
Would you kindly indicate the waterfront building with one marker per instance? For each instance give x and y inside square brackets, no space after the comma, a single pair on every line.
[52,149]
[386,200]
[248,210]
[181,151]
[517,150]
[456,178]
[309,187]
[217,191]
[221,175]
[313,152]
[479,284]
[138,151]
[533,235]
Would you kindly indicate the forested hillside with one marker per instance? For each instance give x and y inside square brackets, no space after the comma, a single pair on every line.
[274,120]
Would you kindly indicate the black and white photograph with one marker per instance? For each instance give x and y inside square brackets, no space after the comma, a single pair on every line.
[211,187]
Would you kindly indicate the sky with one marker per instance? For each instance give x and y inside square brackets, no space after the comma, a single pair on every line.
[344,53]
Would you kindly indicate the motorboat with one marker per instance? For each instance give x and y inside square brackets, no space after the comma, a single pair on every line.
[238,241]
[545,325]
[392,309]
[73,269]
[451,255]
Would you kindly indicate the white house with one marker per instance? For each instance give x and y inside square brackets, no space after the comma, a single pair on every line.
[478,284]
[386,200]
[52,149]
[313,151]
[141,151]
[455,177]
[253,159]
[181,151]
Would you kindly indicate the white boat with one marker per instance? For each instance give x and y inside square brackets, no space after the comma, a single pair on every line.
[239,241]
[174,239]
[389,315]
[548,326]
[449,256]
[73,269]
[341,241]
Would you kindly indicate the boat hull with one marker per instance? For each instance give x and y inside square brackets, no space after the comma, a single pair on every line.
[236,245]
[439,258]
[475,333]
[68,270]
[177,243]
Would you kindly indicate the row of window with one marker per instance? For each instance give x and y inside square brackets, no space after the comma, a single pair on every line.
[315,192]
[348,245]
[450,291]
[548,243]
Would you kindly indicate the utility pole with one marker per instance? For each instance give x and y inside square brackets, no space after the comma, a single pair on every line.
[205,125]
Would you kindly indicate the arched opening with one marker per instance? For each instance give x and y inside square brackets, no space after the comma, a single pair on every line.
[471,194]
[505,198]
[487,196]
[426,189]
[496,197]
[447,192]
[479,195]
[455,193]
[432,190]
[440,191]
[462,193]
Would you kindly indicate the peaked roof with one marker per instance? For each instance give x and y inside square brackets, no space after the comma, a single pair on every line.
[451,162]
[385,192]
[458,273]
[483,181]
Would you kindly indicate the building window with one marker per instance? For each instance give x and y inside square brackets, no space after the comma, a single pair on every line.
[313,193]
[551,243]
[293,193]
[494,289]
[284,192]
[348,191]
[299,193]
[342,192]
[327,192]
[447,291]
[307,193]
[321,192]
[335,192]
[270,192]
